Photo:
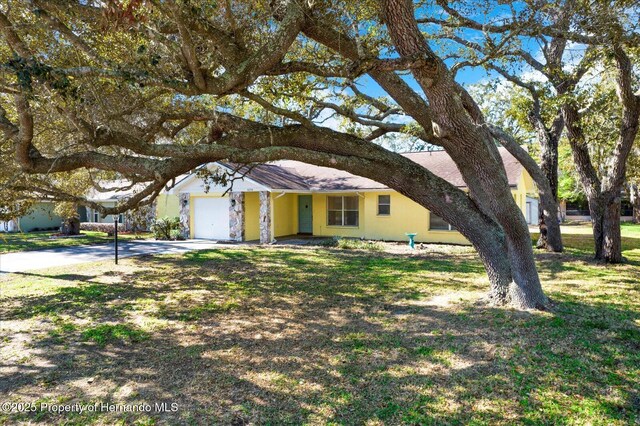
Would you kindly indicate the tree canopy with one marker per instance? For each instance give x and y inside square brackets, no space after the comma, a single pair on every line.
[146,90]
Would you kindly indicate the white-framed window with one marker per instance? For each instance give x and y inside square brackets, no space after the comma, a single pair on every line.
[384,205]
[343,210]
[436,223]
[120,218]
[96,216]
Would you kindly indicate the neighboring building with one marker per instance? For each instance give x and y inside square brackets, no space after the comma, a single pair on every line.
[289,197]
[40,218]
[95,216]
[107,199]
[9,226]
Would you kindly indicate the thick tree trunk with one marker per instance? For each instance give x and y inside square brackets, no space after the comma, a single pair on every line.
[550,238]
[457,122]
[596,211]
[605,221]
[525,290]
[612,238]
[486,235]
[71,226]
[506,256]
[489,241]
[498,261]
[498,268]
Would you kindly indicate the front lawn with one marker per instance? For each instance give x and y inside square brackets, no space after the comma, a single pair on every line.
[13,242]
[284,335]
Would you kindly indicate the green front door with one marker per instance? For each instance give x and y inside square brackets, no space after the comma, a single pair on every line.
[305,221]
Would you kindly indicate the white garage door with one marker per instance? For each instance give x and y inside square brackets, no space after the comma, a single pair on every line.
[211,218]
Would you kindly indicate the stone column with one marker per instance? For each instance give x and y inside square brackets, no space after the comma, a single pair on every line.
[236,216]
[265,217]
[184,214]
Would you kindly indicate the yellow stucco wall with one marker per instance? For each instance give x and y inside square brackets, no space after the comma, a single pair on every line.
[285,214]
[167,205]
[251,216]
[406,216]
[526,186]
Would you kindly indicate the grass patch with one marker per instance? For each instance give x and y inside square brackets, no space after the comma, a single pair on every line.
[193,313]
[111,333]
[16,242]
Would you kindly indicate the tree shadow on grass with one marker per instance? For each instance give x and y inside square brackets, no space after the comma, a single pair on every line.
[339,337]
[66,277]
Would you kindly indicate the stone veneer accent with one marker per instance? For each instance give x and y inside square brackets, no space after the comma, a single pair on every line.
[265,217]
[184,214]
[236,216]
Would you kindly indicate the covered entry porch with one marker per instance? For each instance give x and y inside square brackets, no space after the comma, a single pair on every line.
[271,215]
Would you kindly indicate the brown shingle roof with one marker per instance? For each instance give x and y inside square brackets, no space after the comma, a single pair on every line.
[272,175]
[295,175]
[441,164]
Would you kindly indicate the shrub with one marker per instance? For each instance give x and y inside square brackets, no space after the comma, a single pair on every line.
[176,234]
[100,227]
[167,228]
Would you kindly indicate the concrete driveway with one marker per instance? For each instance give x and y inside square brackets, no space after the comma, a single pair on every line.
[63,256]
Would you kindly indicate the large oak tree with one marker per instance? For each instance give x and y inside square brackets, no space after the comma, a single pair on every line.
[147,90]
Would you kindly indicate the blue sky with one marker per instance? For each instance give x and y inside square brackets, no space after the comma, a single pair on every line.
[465,76]
[495,13]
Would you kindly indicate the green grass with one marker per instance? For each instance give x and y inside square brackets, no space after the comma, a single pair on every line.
[578,238]
[109,333]
[286,335]
[15,242]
